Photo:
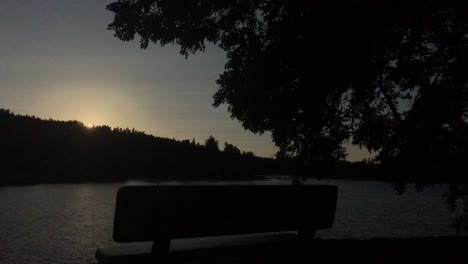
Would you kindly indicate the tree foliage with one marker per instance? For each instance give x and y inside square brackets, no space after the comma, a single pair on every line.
[386,75]
[212,144]
[230,148]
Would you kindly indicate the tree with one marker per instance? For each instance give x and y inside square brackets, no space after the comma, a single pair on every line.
[230,148]
[388,76]
[248,154]
[211,144]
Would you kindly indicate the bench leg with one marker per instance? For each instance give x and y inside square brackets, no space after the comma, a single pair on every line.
[160,250]
[306,236]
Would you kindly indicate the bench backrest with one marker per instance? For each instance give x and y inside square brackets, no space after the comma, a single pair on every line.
[147,213]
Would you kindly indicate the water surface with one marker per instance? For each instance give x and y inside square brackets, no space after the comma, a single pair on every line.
[65,223]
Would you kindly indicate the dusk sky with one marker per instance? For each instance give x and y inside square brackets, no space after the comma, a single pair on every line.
[58,61]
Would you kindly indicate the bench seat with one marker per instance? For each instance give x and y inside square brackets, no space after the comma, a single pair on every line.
[199,250]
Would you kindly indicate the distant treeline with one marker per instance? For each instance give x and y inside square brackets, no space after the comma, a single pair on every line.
[34,150]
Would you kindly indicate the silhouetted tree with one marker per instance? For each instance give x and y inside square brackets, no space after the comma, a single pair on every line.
[230,148]
[248,153]
[212,144]
[388,75]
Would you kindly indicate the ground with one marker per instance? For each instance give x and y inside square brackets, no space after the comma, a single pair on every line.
[383,250]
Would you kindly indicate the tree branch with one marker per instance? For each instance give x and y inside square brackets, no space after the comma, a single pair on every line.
[390,103]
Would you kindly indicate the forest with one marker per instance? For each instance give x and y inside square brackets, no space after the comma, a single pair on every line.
[35,150]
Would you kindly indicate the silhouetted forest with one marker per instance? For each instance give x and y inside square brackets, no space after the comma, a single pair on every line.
[35,150]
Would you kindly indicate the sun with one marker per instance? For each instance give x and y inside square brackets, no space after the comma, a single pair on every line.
[90,125]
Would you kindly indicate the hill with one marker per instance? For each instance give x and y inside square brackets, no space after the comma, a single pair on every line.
[35,150]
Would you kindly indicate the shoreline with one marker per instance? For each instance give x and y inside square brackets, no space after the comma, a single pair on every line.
[228,179]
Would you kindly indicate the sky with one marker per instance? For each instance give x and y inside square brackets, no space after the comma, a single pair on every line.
[59,61]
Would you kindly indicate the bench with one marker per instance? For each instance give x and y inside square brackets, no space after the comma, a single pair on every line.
[166,212]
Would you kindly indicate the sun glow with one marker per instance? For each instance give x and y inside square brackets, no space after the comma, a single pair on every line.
[90,125]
